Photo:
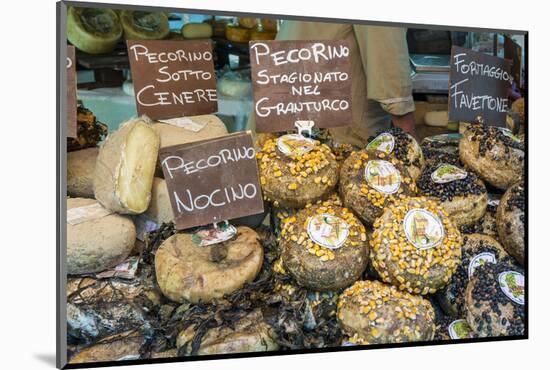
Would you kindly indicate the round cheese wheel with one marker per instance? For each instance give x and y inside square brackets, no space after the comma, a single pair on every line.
[142,25]
[93,30]
[97,243]
[493,153]
[371,312]
[80,172]
[237,34]
[461,193]
[510,221]
[188,272]
[415,246]
[324,247]
[307,172]
[477,249]
[494,300]
[369,181]
[192,31]
[399,144]
[248,334]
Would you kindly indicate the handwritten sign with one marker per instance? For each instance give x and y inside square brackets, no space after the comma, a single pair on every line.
[71,92]
[300,80]
[173,78]
[478,86]
[212,180]
[512,51]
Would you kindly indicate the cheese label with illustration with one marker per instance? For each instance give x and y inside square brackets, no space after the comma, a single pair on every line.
[459,329]
[295,144]
[512,285]
[382,176]
[423,229]
[214,235]
[384,142]
[480,259]
[506,132]
[328,230]
[447,173]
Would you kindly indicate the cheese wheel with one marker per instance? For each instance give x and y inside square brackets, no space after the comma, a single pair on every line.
[295,180]
[142,25]
[170,135]
[324,263]
[248,22]
[510,221]
[269,24]
[437,118]
[92,30]
[493,153]
[80,172]
[414,246]
[237,34]
[262,35]
[192,31]
[186,271]
[364,192]
[371,312]
[97,244]
[125,168]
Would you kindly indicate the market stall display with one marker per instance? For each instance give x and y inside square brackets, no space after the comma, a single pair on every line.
[80,172]
[478,249]
[461,193]
[324,246]
[391,242]
[510,219]
[369,181]
[295,170]
[96,238]
[125,167]
[494,300]
[187,271]
[494,154]
[371,312]
[415,246]
[94,31]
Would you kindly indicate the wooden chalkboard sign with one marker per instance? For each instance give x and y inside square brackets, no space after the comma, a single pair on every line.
[71,92]
[173,78]
[512,51]
[300,80]
[212,180]
[478,87]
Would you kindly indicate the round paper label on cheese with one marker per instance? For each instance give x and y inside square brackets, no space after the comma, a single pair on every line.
[512,285]
[382,176]
[384,142]
[423,229]
[328,230]
[506,132]
[459,329]
[480,259]
[295,144]
[447,172]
